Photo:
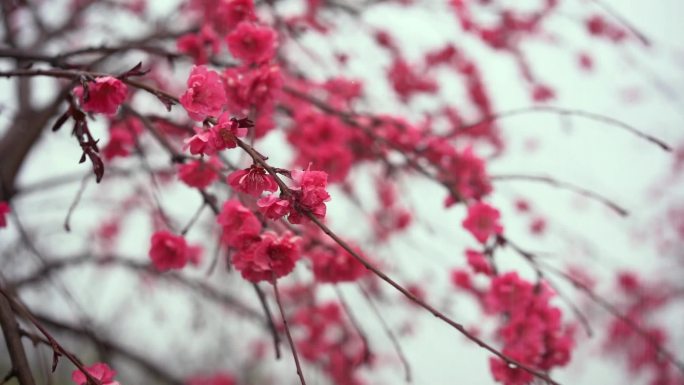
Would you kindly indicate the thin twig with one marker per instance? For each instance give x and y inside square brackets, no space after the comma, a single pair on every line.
[77,199]
[562,185]
[357,325]
[300,373]
[269,319]
[390,334]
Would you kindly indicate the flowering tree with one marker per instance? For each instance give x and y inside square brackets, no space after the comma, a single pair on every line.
[188,187]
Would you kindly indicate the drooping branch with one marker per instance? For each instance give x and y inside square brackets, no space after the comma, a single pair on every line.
[139,359]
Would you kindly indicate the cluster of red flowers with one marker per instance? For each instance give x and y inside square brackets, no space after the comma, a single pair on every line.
[334,264]
[532,333]
[123,135]
[240,89]
[641,350]
[258,256]
[330,342]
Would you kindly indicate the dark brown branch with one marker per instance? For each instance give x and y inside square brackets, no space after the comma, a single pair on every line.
[57,348]
[11,331]
[137,358]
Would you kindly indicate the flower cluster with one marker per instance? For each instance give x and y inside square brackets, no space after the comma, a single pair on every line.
[219,137]
[307,195]
[334,264]
[258,256]
[198,173]
[247,87]
[123,135]
[533,332]
[327,340]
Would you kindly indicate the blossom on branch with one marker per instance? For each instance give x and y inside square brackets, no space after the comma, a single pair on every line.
[168,251]
[205,95]
[100,371]
[104,95]
[482,221]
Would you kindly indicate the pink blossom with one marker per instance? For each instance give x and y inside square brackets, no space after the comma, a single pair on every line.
[478,262]
[105,95]
[224,132]
[196,45]
[309,187]
[336,265]
[200,143]
[240,226]
[205,95]
[460,279]
[198,173]
[168,251]
[99,371]
[270,258]
[252,43]
[482,221]
[273,207]
[251,87]
[122,138]
[254,181]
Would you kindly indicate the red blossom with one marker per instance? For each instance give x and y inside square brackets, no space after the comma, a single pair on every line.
[478,262]
[335,264]
[273,207]
[168,251]
[200,143]
[105,95]
[224,132]
[269,258]
[310,189]
[198,173]
[240,226]
[253,181]
[99,371]
[482,221]
[205,95]
[252,43]
[200,45]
